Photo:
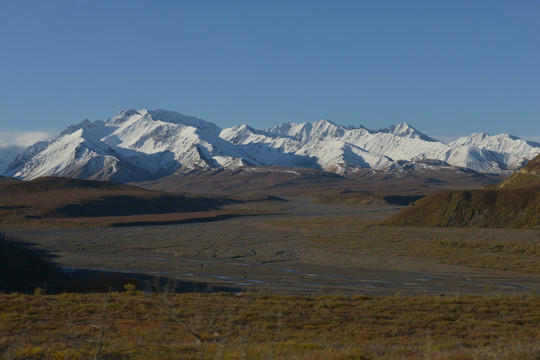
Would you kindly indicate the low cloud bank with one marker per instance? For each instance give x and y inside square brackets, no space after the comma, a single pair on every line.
[23,139]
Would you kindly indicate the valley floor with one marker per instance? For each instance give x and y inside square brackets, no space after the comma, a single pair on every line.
[308,249]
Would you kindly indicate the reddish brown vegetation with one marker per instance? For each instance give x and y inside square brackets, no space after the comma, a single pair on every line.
[75,201]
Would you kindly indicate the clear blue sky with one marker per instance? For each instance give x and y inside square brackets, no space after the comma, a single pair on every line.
[446,67]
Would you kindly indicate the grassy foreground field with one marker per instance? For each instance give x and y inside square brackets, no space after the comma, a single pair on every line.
[132,325]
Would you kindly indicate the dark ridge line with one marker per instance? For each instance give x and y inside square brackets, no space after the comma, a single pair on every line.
[186,221]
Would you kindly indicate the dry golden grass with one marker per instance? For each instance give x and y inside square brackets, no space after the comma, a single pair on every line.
[497,249]
[132,325]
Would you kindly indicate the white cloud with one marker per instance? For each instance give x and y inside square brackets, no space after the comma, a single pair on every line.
[23,139]
[532,138]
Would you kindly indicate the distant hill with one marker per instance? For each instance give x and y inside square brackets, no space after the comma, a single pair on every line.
[514,203]
[281,181]
[4,179]
[351,198]
[52,197]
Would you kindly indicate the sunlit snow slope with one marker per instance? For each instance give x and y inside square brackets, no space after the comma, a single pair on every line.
[149,144]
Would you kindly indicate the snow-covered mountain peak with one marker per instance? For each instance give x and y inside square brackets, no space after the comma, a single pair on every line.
[307,131]
[473,137]
[405,130]
[71,129]
[127,118]
[401,129]
[502,143]
[482,136]
[123,115]
[177,118]
[244,128]
[240,133]
[326,127]
[148,144]
[324,123]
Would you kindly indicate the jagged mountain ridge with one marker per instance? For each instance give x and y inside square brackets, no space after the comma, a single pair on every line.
[149,144]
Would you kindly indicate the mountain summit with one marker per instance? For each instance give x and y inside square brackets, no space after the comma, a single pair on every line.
[405,130]
[149,144]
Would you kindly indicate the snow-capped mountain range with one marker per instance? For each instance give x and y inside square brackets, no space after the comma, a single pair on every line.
[149,144]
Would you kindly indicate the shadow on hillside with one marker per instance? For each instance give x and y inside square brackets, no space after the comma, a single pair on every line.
[121,205]
[24,268]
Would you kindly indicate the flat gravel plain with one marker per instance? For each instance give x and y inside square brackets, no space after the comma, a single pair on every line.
[308,248]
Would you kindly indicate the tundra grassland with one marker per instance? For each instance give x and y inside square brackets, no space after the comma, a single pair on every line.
[315,282]
[496,249]
[134,325]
